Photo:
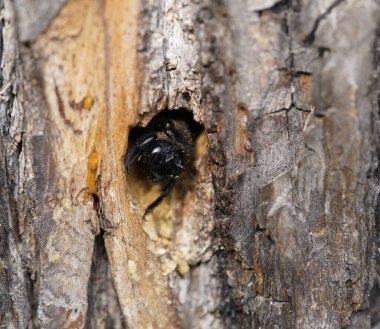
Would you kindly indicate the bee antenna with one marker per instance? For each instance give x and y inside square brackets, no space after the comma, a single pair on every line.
[188,172]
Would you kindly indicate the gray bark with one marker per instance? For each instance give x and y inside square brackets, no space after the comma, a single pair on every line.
[281,232]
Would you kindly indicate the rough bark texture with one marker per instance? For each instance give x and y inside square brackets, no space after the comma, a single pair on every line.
[282,229]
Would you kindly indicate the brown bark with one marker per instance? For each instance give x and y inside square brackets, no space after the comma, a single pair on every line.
[281,230]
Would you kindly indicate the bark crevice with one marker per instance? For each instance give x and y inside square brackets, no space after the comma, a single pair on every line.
[310,37]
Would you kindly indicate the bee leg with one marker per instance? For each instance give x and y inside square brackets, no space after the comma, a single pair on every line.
[132,156]
[164,193]
[188,172]
[136,150]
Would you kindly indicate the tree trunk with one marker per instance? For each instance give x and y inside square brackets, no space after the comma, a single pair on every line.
[282,228]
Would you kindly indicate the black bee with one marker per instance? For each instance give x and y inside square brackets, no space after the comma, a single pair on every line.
[163,149]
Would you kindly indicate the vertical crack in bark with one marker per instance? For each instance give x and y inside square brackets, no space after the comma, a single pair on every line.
[101,294]
[219,75]
[104,223]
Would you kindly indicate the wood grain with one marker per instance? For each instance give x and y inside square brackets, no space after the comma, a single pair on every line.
[281,230]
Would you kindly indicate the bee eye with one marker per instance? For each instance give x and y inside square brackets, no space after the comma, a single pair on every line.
[156,150]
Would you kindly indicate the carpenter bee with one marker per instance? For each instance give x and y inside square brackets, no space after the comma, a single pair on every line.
[163,150]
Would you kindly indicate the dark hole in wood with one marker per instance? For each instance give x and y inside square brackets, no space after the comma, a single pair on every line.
[137,179]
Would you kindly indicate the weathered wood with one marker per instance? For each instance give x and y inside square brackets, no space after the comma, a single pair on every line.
[15,306]
[281,230]
[304,194]
[34,16]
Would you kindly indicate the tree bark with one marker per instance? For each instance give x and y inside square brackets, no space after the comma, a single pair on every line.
[282,229]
